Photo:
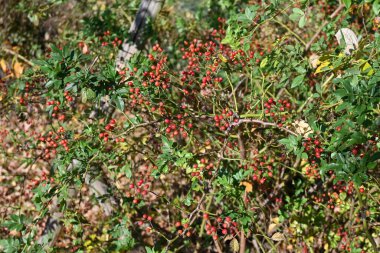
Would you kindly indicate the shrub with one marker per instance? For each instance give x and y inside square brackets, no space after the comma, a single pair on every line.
[236,139]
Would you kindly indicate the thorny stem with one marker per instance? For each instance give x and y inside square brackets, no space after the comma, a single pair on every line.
[333,15]
[264,123]
[290,31]
[365,224]
[242,157]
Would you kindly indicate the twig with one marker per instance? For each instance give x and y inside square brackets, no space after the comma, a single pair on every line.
[264,123]
[242,243]
[217,245]
[9,51]
[315,36]
[290,31]
[138,126]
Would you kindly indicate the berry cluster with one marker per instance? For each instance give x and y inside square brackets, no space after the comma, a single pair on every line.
[107,40]
[221,227]
[277,111]
[174,129]
[44,180]
[138,191]
[182,228]
[313,149]
[50,143]
[222,121]
[109,127]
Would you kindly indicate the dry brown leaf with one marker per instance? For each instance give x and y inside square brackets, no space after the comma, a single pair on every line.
[278,237]
[248,186]
[271,228]
[18,69]
[302,127]
[85,49]
[234,245]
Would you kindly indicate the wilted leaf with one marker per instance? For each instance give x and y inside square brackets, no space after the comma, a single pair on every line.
[278,237]
[349,37]
[234,245]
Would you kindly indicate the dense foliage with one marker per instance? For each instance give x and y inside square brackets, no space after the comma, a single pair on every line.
[244,126]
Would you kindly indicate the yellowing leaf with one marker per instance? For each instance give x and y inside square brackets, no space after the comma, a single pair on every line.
[367,68]
[264,62]
[18,69]
[278,237]
[87,243]
[321,68]
[228,237]
[248,186]
[304,162]
[222,58]
[234,245]
[123,146]
[276,220]
[3,65]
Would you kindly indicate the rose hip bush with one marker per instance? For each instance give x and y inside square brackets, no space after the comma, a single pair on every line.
[238,138]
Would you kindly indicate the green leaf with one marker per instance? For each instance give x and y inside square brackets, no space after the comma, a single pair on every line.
[294,16]
[10,245]
[376,7]
[248,13]
[119,103]
[126,169]
[84,96]
[122,91]
[347,3]
[302,22]
[297,81]
[298,11]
